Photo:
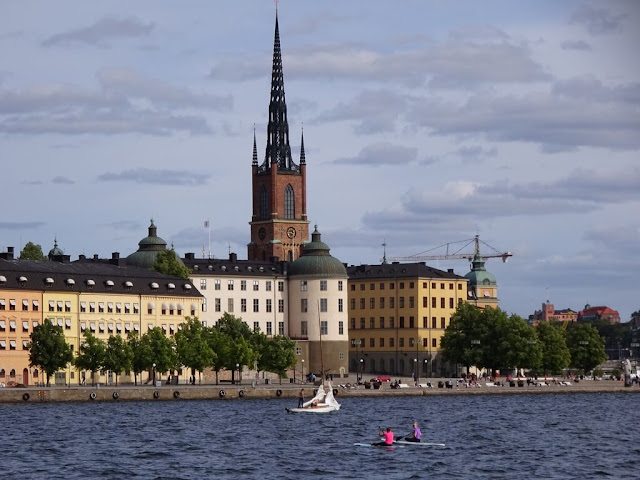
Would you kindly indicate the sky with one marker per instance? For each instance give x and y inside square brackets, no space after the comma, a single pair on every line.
[425,123]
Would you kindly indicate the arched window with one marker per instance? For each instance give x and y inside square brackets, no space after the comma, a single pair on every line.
[264,204]
[289,203]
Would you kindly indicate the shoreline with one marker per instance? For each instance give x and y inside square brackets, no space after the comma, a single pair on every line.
[111,393]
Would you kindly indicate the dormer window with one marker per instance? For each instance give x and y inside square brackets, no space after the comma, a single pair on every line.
[48,282]
[154,285]
[3,279]
[187,286]
[171,286]
[22,281]
[90,284]
[210,267]
[224,268]
[195,267]
[128,285]
[236,268]
[70,282]
[109,284]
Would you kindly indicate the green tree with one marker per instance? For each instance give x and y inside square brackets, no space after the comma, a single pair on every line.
[192,346]
[220,344]
[524,350]
[91,355]
[277,355]
[163,351]
[168,262]
[586,347]
[462,341]
[48,349]
[118,356]
[142,355]
[31,251]
[555,354]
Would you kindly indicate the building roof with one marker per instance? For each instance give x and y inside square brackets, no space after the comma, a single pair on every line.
[89,276]
[399,270]
[233,267]
[148,249]
[478,275]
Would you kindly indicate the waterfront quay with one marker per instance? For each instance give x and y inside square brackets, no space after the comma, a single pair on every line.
[123,393]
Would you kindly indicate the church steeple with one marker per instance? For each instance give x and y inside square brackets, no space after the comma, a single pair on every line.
[278,150]
[303,160]
[255,149]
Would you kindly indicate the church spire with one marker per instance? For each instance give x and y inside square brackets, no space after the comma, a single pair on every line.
[255,149]
[303,160]
[278,150]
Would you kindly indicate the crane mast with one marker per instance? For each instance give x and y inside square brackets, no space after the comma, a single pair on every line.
[456,256]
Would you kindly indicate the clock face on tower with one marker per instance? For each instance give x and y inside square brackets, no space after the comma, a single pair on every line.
[291,232]
[262,233]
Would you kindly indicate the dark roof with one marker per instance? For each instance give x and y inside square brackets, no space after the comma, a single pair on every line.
[316,260]
[234,267]
[399,270]
[36,273]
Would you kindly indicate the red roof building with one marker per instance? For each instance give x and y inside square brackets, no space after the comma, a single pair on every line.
[592,314]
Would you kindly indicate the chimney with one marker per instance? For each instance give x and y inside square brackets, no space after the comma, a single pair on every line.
[450,270]
[82,257]
[8,255]
[95,257]
[233,257]
[190,256]
[115,255]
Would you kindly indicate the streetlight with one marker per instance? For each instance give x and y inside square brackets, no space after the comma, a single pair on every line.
[415,370]
[356,343]
[238,370]
[425,370]
[303,371]
[474,342]
[361,370]
[154,374]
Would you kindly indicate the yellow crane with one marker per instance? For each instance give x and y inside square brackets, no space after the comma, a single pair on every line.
[420,257]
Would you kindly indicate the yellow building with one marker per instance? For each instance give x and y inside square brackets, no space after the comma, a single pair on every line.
[102,296]
[397,314]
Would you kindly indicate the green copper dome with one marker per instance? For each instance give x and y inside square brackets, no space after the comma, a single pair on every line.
[148,250]
[478,275]
[316,260]
[55,251]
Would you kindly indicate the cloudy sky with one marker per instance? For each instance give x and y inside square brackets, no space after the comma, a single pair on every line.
[425,123]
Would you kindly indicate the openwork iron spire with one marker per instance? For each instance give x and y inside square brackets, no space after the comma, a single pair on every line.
[303,159]
[255,149]
[278,149]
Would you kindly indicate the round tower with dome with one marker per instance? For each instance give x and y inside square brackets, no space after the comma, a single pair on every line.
[482,290]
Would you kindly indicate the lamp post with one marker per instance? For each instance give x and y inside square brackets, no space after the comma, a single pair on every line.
[356,343]
[474,342]
[415,342]
[238,370]
[425,369]
[303,371]
[154,374]
[361,369]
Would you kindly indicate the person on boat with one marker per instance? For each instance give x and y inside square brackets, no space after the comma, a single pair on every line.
[416,435]
[387,435]
[301,398]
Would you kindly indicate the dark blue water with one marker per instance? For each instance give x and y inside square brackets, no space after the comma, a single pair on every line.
[515,436]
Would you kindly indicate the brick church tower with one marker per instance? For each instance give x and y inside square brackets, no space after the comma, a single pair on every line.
[279,225]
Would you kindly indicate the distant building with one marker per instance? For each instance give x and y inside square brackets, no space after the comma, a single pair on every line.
[549,314]
[592,314]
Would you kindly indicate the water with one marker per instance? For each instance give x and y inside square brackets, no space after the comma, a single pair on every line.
[551,436]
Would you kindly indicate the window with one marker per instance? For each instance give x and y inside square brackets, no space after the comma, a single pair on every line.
[339,285]
[217,284]
[412,322]
[324,328]
[243,285]
[433,285]
[217,305]
[59,305]
[136,308]
[434,322]
[442,286]
[109,307]
[269,305]
[459,286]
[25,326]
[392,285]
[303,328]
[451,286]
[353,323]
[83,307]
[256,305]
[127,308]
[381,322]
[401,322]
[401,342]
[392,302]
[340,327]
[12,304]
[353,287]
[411,285]
[280,305]
[372,303]
[442,302]
[256,326]
[264,204]
[3,304]
[442,320]
[362,304]
[269,329]
[323,285]
[92,307]
[372,342]
[361,322]
[412,302]
[100,307]
[267,285]
[118,308]
[230,305]
[434,301]
[425,302]
[425,322]
[25,305]
[392,322]
[372,322]
[289,203]
[401,302]
[229,284]
[243,304]
[352,304]
[451,303]
[67,324]
[281,285]
[323,304]
[256,285]
[362,286]
[391,342]
[401,286]
[340,305]
[203,284]
[280,328]
[35,305]
[303,285]
[382,342]
[381,302]
[434,342]
[303,305]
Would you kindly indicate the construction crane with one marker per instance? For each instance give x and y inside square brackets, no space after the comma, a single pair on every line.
[419,257]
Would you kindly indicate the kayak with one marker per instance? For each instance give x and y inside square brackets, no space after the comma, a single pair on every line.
[360,444]
[419,444]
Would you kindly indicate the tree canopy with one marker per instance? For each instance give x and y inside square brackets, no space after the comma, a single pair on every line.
[118,356]
[586,347]
[91,355]
[167,262]
[32,251]
[555,354]
[48,349]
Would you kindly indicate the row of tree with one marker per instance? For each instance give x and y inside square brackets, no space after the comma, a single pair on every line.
[229,345]
[492,340]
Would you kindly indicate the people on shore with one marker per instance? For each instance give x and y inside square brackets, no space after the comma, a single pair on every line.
[387,435]
[301,398]
[415,435]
